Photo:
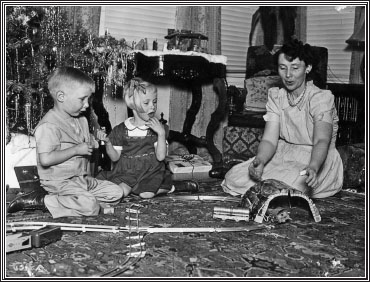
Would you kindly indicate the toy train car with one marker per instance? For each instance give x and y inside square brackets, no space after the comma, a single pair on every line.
[236,214]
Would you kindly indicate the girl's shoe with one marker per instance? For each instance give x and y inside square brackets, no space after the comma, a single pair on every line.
[186,186]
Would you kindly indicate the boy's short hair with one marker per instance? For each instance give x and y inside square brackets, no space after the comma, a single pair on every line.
[63,78]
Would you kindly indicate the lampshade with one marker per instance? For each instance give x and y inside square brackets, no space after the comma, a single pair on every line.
[358,36]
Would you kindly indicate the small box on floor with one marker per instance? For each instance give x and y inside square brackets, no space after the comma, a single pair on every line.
[106,208]
[46,235]
[16,242]
[187,164]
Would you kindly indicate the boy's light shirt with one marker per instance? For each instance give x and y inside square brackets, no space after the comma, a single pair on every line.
[93,141]
[137,131]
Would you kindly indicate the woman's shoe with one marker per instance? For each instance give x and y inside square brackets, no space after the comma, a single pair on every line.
[218,172]
[33,200]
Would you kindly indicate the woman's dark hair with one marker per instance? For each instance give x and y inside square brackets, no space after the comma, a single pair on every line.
[294,48]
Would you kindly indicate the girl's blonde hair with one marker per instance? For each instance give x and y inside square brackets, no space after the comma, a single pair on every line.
[132,90]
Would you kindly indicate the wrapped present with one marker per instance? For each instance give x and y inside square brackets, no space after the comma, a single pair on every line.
[196,176]
[187,164]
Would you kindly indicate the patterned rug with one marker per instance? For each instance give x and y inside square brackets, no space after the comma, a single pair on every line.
[334,247]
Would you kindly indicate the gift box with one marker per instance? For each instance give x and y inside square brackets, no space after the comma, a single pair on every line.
[187,164]
[196,176]
[28,178]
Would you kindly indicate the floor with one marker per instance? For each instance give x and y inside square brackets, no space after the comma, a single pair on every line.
[178,237]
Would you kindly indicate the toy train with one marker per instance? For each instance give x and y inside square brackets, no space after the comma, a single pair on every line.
[236,214]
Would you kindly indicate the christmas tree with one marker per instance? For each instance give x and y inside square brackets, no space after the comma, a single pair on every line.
[39,39]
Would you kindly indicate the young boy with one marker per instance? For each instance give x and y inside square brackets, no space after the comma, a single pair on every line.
[63,145]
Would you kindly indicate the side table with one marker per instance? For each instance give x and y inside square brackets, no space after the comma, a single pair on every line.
[193,68]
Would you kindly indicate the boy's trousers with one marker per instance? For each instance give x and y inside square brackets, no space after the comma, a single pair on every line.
[79,196]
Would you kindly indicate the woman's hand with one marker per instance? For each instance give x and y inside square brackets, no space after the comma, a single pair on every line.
[256,169]
[156,126]
[311,179]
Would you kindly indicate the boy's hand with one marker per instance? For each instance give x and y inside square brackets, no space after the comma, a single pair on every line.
[93,142]
[101,135]
[91,182]
[84,149]
[156,125]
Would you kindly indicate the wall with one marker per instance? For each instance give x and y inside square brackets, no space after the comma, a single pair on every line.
[181,101]
[174,102]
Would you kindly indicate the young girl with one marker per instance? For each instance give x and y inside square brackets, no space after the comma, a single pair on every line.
[138,147]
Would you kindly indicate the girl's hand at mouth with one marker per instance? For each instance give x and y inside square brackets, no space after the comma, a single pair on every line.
[155,125]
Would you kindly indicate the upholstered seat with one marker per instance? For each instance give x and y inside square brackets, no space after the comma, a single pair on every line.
[261,74]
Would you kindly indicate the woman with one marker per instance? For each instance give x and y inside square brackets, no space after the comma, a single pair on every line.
[298,144]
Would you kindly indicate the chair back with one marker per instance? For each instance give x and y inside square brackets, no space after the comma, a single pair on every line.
[260,62]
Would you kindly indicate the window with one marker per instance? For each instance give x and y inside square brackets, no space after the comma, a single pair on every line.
[236,23]
[326,27]
[134,23]
[330,28]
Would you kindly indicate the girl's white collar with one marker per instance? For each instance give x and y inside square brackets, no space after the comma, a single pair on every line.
[130,126]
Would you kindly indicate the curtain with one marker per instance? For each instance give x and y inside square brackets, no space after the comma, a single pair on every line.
[357,59]
[300,24]
[275,25]
[207,21]
[87,16]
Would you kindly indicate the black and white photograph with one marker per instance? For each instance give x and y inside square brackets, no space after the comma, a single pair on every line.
[184,140]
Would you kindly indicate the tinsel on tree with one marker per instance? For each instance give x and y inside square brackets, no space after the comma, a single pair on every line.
[39,39]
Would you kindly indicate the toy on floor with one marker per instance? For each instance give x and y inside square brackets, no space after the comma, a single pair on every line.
[18,241]
[35,238]
[279,215]
[236,214]
[258,198]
